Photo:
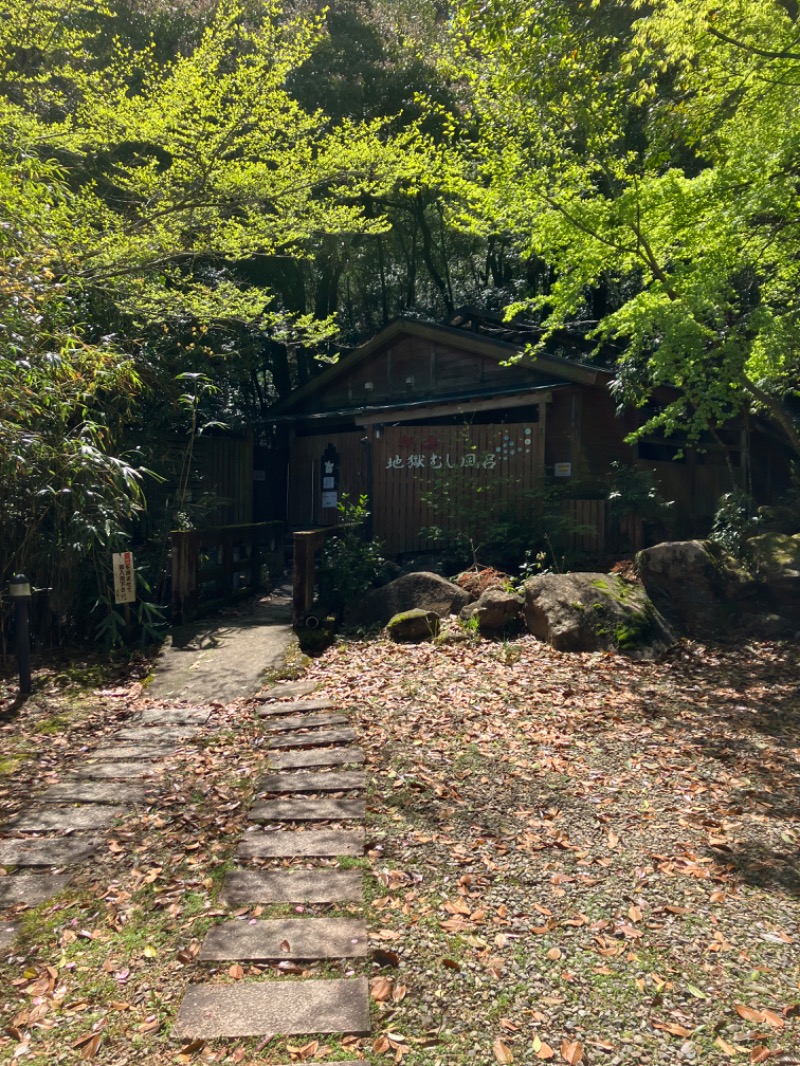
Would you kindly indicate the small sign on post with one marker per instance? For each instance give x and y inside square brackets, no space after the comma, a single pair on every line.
[124,578]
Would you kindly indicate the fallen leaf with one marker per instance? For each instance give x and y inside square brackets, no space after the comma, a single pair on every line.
[502,1052]
[749,1014]
[572,1052]
[380,988]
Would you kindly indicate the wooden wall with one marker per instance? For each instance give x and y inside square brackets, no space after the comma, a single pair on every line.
[434,367]
[421,476]
[225,468]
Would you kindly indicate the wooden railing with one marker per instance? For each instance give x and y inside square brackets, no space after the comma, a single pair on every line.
[213,567]
[306,545]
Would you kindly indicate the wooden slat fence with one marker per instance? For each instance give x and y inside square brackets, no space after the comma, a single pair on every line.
[447,476]
[588,538]
[213,567]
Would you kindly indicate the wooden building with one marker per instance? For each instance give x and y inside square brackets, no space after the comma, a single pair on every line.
[428,420]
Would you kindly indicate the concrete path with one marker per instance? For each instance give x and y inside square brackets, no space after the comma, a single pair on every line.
[226,657]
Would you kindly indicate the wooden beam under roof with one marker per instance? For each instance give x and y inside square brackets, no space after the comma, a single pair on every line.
[457,407]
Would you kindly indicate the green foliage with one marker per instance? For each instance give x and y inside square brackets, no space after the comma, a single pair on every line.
[633,491]
[137,188]
[655,161]
[350,564]
[735,520]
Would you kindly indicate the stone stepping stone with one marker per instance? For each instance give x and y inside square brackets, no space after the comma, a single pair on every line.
[94,792]
[114,771]
[298,707]
[276,710]
[291,938]
[288,690]
[344,781]
[313,740]
[267,1008]
[47,851]
[307,721]
[299,844]
[242,887]
[303,760]
[30,888]
[153,733]
[152,751]
[170,717]
[310,810]
[7,935]
[40,820]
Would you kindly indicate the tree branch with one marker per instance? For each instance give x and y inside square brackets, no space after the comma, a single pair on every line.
[753,49]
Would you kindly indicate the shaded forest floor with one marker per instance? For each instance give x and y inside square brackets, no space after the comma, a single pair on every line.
[572,858]
[579,857]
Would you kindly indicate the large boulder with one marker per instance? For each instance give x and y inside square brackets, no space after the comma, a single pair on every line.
[696,586]
[496,610]
[423,591]
[595,612]
[776,562]
[412,627]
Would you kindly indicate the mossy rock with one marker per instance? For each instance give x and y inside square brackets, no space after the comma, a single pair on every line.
[595,612]
[413,627]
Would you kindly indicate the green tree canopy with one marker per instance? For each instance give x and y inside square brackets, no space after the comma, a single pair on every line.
[652,149]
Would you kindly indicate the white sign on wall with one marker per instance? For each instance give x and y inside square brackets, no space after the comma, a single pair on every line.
[124,577]
[563,470]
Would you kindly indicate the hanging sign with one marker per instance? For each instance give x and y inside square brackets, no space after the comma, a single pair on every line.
[329,475]
[124,577]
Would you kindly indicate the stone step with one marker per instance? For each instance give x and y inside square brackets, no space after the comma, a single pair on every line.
[47,851]
[287,690]
[312,740]
[42,819]
[242,887]
[153,750]
[291,938]
[301,760]
[8,933]
[299,844]
[96,792]
[304,721]
[310,810]
[172,716]
[154,733]
[345,781]
[114,771]
[270,710]
[30,888]
[269,1008]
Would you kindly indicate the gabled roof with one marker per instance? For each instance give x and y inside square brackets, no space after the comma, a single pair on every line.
[556,369]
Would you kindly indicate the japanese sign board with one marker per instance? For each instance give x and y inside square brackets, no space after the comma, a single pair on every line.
[124,577]
[329,473]
[563,469]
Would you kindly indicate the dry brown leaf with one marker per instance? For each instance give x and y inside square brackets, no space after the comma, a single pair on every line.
[772,1019]
[572,1052]
[726,1048]
[380,989]
[673,1029]
[502,1052]
[749,1014]
[236,972]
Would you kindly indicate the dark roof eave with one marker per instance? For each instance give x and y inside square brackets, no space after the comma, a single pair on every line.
[435,401]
